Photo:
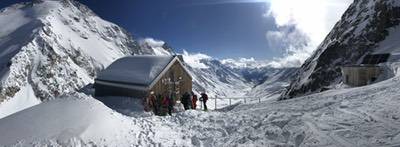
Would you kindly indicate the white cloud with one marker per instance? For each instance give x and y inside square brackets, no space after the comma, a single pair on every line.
[290,60]
[302,26]
[289,38]
[152,42]
[194,59]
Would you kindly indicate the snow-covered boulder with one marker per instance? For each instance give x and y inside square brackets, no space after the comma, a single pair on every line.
[68,121]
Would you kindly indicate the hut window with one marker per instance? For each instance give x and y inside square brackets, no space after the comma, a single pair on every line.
[346,79]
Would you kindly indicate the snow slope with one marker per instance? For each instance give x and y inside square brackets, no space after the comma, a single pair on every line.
[24,98]
[273,83]
[82,118]
[363,116]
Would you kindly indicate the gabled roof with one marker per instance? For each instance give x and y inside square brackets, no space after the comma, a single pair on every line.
[137,72]
[375,58]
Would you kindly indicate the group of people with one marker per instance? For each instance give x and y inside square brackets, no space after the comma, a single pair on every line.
[189,101]
[163,105]
[160,105]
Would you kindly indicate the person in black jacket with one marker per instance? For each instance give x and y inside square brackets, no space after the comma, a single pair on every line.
[204,98]
[185,100]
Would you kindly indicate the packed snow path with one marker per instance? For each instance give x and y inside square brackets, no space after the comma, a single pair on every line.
[364,116]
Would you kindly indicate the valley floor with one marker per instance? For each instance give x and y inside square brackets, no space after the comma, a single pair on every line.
[364,116]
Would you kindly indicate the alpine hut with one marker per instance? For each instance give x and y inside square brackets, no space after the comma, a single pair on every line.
[137,76]
[365,73]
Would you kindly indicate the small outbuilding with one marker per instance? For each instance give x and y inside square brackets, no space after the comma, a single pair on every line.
[137,76]
[365,73]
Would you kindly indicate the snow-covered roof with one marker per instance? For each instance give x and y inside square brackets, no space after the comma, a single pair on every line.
[135,70]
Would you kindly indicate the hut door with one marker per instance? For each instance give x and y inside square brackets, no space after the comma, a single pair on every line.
[172,91]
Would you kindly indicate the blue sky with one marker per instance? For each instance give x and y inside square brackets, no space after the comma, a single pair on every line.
[286,31]
[220,30]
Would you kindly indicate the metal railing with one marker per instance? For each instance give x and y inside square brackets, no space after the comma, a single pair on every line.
[245,100]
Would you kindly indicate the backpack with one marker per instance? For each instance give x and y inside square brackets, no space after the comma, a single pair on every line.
[204,96]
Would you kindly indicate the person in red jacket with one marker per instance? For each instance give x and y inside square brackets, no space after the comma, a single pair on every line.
[204,98]
[194,100]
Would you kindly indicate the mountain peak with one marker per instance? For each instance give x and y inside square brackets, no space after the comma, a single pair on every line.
[44,41]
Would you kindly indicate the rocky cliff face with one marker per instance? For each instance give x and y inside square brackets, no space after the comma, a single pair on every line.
[360,31]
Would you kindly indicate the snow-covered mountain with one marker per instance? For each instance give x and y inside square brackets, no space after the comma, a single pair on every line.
[215,78]
[155,47]
[50,48]
[273,81]
[368,26]
[246,63]
[232,78]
